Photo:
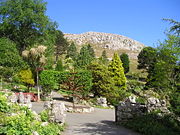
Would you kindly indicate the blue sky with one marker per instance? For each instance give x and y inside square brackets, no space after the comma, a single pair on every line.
[138,19]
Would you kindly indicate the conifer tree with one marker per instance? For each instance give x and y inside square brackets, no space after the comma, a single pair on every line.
[59,66]
[117,72]
[125,60]
[84,58]
[103,59]
[91,51]
[72,52]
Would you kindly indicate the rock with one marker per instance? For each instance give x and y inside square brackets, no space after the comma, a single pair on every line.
[35,133]
[13,98]
[131,99]
[44,124]
[108,41]
[21,98]
[102,101]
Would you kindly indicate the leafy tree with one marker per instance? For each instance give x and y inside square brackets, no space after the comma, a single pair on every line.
[10,60]
[125,60]
[147,58]
[104,59]
[37,60]
[61,45]
[84,58]
[59,66]
[78,85]
[25,22]
[72,52]
[117,73]
[26,77]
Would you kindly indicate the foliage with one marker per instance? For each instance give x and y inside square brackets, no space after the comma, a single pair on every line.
[135,86]
[151,124]
[103,84]
[26,77]
[78,84]
[44,115]
[25,22]
[125,60]
[84,58]
[59,66]
[104,59]
[49,79]
[61,45]
[175,102]
[91,51]
[10,60]
[117,72]
[72,52]
[147,58]
[4,107]
[20,120]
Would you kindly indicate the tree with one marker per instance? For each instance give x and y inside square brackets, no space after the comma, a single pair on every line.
[59,66]
[147,58]
[26,77]
[10,60]
[72,52]
[125,60]
[84,58]
[103,84]
[104,59]
[37,60]
[117,73]
[91,51]
[61,45]
[25,22]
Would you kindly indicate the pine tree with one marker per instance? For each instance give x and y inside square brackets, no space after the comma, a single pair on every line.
[103,59]
[117,72]
[59,66]
[125,60]
[72,52]
[84,58]
[91,50]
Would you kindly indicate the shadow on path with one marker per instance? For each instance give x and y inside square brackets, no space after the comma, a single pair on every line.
[104,127]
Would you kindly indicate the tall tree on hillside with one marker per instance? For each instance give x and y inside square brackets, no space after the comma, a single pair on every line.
[91,50]
[61,45]
[25,22]
[125,60]
[104,59]
[117,73]
[72,52]
[147,58]
[84,58]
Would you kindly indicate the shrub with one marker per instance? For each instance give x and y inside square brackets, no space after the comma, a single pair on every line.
[45,115]
[152,124]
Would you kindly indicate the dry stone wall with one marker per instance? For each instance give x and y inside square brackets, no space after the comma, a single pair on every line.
[130,108]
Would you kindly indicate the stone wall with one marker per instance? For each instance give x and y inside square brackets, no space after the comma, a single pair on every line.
[129,108]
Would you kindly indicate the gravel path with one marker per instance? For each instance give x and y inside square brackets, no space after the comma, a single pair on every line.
[99,122]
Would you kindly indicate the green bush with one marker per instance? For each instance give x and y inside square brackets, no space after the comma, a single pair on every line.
[152,124]
[45,115]
[49,79]
[4,107]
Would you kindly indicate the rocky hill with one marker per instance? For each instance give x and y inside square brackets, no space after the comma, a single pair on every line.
[110,42]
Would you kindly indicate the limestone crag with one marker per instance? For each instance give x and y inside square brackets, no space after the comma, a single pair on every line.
[106,41]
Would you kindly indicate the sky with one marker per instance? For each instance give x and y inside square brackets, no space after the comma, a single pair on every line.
[140,20]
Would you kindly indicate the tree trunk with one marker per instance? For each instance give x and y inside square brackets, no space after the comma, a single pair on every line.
[38,86]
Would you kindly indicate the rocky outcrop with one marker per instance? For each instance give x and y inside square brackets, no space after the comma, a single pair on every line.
[130,108]
[107,41]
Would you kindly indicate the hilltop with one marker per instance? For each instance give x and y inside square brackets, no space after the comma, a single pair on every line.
[107,41]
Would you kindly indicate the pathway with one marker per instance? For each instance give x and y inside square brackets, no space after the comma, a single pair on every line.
[99,122]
